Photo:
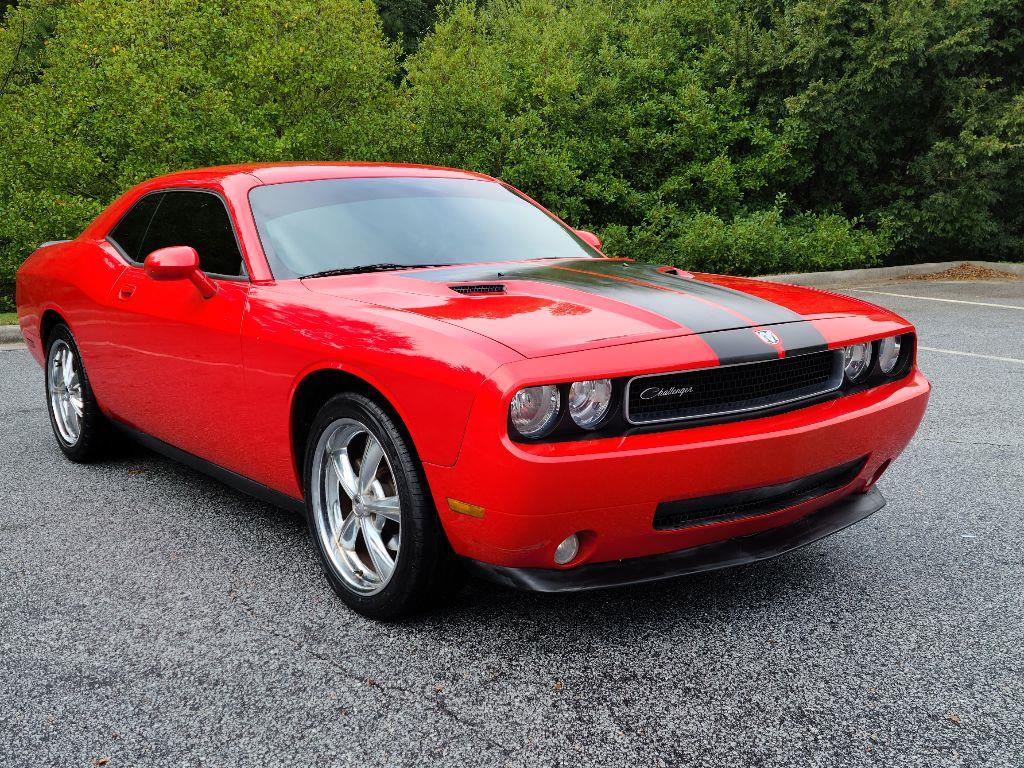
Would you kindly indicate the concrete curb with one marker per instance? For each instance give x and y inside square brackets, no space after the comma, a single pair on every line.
[10,334]
[881,274]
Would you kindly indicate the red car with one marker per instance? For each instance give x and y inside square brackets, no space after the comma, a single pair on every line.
[446,377]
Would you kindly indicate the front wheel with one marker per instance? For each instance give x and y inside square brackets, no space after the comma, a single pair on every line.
[378,536]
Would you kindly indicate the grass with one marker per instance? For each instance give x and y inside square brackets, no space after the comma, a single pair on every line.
[8,318]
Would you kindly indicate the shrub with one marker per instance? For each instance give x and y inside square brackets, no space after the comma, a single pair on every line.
[760,242]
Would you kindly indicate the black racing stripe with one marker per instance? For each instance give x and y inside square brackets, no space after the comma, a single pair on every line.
[798,335]
[760,311]
[739,345]
[721,315]
[695,315]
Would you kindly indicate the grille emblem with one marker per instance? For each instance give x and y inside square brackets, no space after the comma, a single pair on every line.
[652,392]
[768,337]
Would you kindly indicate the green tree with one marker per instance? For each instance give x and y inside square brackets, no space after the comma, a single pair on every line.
[127,89]
[612,113]
[908,114]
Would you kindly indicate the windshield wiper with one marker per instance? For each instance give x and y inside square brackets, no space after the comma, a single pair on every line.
[368,268]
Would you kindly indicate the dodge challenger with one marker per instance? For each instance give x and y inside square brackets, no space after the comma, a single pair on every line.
[446,378]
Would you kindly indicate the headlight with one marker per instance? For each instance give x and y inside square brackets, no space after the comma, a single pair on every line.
[889,353]
[857,361]
[589,401]
[534,410]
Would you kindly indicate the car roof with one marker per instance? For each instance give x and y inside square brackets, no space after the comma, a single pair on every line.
[276,173]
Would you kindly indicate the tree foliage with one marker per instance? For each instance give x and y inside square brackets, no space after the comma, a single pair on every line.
[106,93]
[907,114]
[727,135]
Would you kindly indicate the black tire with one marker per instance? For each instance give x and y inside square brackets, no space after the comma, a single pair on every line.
[426,573]
[94,436]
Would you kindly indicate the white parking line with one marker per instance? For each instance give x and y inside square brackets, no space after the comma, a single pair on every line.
[933,298]
[972,354]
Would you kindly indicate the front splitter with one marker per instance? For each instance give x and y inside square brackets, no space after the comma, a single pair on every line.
[707,557]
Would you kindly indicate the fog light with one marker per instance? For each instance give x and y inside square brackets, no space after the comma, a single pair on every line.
[567,550]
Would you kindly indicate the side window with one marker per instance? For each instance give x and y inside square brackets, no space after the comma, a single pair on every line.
[131,229]
[198,219]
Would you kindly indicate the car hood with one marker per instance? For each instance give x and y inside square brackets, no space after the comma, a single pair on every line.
[540,308]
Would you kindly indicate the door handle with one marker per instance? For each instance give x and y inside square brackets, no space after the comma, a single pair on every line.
[126,292]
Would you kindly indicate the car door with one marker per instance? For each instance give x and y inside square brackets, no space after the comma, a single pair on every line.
[178,355]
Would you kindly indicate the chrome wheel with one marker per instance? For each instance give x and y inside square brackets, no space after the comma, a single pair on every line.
[65,384]
[356,507]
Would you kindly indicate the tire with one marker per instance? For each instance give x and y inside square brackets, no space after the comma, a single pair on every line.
[81,429]
[378,536]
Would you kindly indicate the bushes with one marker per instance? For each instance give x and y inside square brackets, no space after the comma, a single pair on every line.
[761,242]
[725,135]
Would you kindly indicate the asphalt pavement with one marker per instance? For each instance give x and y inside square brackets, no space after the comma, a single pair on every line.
[152,617]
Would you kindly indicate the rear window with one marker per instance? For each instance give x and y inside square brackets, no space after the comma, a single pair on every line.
[131,229]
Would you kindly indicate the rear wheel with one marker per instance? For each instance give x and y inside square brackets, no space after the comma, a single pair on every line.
[78,424]
[378,536]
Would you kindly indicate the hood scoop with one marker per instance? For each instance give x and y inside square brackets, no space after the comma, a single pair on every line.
[479,289]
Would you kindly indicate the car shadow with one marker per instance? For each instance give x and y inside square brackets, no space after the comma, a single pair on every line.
[487,610]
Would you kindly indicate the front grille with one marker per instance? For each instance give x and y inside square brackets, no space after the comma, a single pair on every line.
[672,515]
[731,388]
[478,289]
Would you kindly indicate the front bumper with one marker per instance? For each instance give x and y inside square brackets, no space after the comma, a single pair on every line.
[608,490]
[707,557]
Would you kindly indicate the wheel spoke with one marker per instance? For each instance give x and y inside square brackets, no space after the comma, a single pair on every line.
[382,561]
[70,419]
[372,455]
[389,507]
[77,404]
[349,531]
[346,474]
[67,368]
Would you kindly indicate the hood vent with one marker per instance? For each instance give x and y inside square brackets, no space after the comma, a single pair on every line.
[480,289]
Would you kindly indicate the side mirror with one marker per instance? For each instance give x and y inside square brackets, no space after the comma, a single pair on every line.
[589,238]
[179,262]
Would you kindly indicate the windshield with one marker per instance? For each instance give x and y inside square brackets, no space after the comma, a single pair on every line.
[309,227]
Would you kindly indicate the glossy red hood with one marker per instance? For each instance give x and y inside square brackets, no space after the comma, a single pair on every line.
[549,307]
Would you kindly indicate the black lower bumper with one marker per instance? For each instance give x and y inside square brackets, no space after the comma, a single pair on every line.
[707,557]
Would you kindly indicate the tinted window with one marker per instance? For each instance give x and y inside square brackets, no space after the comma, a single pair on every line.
[131,229]
[198,219]
[311,226]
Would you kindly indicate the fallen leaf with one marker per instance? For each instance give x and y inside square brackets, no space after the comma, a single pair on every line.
[954,718]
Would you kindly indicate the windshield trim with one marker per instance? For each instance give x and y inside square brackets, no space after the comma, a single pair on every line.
[592,253]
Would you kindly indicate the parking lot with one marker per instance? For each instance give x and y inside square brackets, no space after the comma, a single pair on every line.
[151,616]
